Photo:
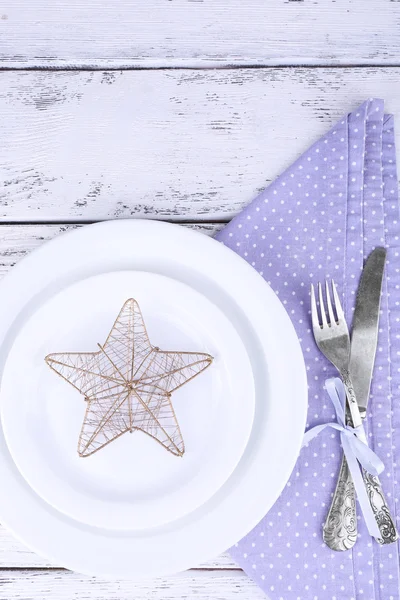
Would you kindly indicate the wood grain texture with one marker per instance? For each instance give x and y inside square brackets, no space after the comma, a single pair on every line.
[198,33]
[64,585]
[175,145]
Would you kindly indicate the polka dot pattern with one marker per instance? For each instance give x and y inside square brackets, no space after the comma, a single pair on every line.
[321,218]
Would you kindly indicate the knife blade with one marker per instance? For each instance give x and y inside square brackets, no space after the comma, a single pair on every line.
[365,328]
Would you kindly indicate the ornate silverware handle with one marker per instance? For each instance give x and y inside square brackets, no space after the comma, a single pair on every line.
[373,486]
[340,528]
[380,509]
[351,399]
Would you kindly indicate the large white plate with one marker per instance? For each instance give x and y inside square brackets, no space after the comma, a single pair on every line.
[132,483]
[280,397]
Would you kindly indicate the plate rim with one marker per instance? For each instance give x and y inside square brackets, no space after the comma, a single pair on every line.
[26,525]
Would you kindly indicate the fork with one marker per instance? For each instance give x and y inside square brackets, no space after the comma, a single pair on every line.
[332,338]
[340,528]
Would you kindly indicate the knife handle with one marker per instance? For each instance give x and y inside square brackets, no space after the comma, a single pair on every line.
[340,528]
[380,509]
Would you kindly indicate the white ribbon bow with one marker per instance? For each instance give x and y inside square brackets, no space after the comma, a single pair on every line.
[356,450]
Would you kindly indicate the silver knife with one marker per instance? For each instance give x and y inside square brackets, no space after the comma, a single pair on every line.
[340,529]
[364,340]
[364,337]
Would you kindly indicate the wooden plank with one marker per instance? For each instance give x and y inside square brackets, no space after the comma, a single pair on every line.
[175,145]
[15,242]
[195,33]
[47,585]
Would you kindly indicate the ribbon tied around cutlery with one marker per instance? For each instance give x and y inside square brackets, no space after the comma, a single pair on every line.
[356,450]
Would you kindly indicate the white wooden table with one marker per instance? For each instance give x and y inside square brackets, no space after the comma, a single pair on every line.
[170,109]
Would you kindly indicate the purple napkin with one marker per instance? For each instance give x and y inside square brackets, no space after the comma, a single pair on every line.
[321,218]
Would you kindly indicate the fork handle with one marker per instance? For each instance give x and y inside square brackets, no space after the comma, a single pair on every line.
[351,399]
[340,528]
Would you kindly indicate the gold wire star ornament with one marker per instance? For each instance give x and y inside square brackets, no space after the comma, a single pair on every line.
[128,384]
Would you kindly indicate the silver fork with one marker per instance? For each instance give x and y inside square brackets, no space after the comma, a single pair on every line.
[340,529]
[332,338]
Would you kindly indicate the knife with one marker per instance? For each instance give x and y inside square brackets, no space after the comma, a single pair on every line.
[364,337]
[364,340]
[340,528]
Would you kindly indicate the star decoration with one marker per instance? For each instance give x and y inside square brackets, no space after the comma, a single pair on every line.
[128,383]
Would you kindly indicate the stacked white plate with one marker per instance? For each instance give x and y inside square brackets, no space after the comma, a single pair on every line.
[133,509]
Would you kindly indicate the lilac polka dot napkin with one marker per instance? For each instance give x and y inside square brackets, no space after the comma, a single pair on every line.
[321,218]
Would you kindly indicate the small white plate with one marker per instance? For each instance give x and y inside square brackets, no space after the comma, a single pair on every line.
[268,336]
[133,483]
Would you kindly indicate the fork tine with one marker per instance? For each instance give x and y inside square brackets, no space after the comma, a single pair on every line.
[329,303]
[338,306]
[322,306]
[314,310]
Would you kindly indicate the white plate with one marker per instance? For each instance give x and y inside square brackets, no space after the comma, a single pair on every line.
[280,397]
[132,483]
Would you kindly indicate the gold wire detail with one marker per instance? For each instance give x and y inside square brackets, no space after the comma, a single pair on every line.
[128,384]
